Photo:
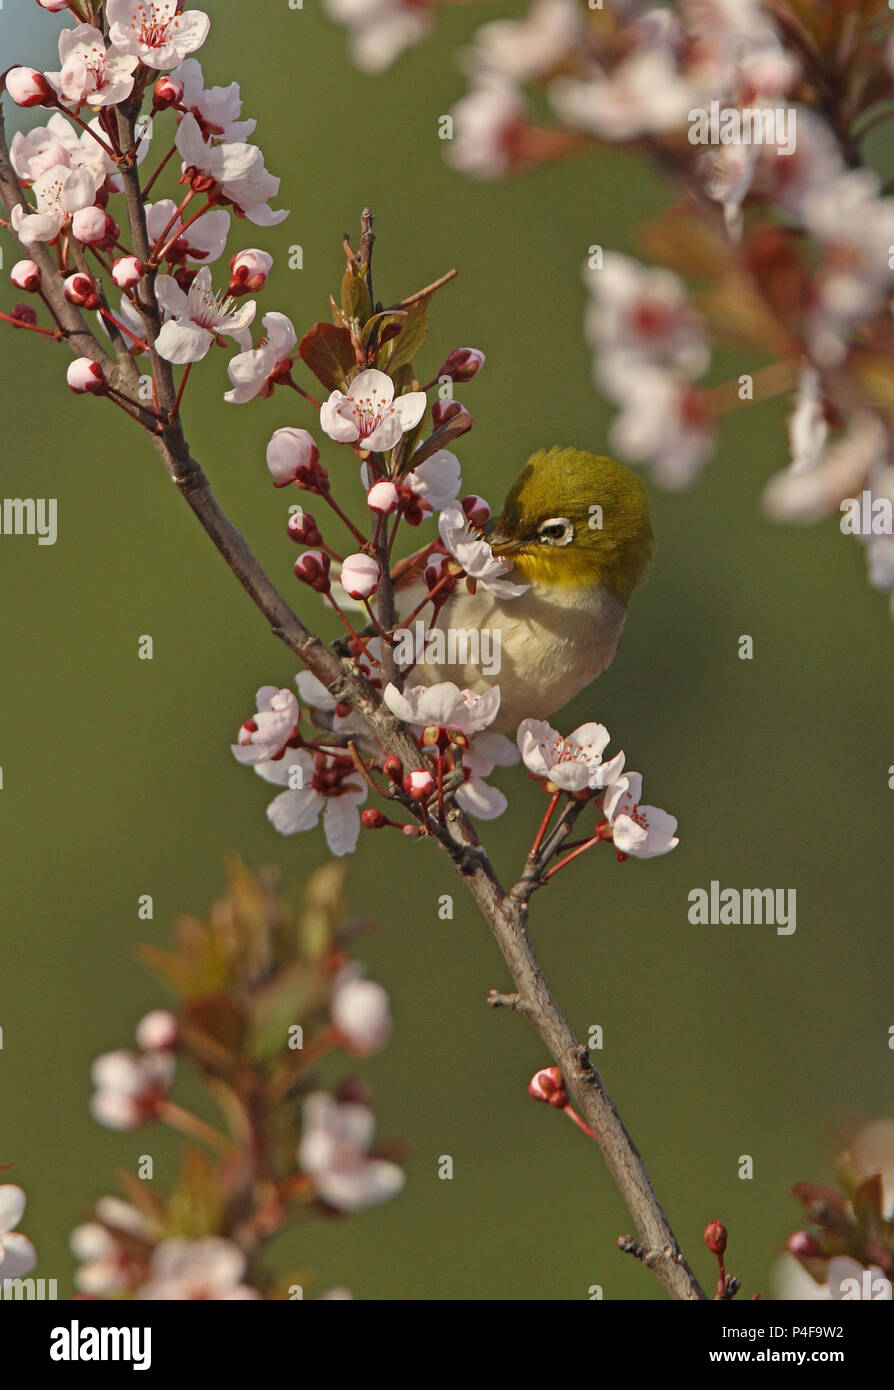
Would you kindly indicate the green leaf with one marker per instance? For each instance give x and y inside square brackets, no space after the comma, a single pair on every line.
[355,301]
[415,331]
[382,329]
[329,353]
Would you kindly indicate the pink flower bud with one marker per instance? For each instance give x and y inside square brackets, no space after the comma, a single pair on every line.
[716,1237]
[80,288]
[393,768]
[442,411]
[127,271]
[803,1245]
[463,364]
[167,92]
[419,785]
[383,497]
[303,529]
[548,1085]
[54,6]
[85,375]
[313,568]
[360,575]
[292,457]
[476,509]
[28,87]
[89,225]
[25,275]
[157,1031]
[249,270]
[373,819]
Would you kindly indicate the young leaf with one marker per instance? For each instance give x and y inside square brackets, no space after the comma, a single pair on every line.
[329,353]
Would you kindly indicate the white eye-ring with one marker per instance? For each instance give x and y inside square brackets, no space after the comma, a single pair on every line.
[557,530]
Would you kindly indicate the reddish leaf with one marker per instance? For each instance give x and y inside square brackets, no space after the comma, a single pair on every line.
[329,353]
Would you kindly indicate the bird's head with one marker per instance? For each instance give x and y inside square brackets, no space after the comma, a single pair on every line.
[576,518]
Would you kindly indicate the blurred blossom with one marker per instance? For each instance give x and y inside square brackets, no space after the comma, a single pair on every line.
[17,1255]
[211,1269]
[334,1151]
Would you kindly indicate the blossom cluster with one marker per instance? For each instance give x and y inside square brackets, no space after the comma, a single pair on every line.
[290,1140]
[758,115]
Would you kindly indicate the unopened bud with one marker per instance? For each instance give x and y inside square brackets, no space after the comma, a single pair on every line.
[454,411]
[167,91]
[248,271]
[393,768]
[360,575]
[80,288]
[24,314]
[85,375]
[293,457]
[548,1085]
[803,1245]
[434,571]
[463,364]
[419,785]
[715,1237]
[127,272]
[28,87]
[383,497]
[303,529]
[373,819]
[25,275]
[90,225]
[157,1031]
[313,568]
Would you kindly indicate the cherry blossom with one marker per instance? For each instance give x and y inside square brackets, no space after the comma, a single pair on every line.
[641,314]
[59,192]
[637,830]
[28,87]
[361,1012]
[106,1263]
[236,166]
[17,1255]
[488,127]
[91,72]
[381,29]
[369,415]
[129,1087]
[485,751]
[157,1031]
[266,734]
[156,31]
[211,1269]
[473,553]
[328,784]
[525,49]
[204,240]
[644,95]
[291,454]
[444,706]
[249,270]
[573,763]
[196,319]
[251,371]
[663,422]
[437,480]
[360,575]
[219,107]
[334,1151]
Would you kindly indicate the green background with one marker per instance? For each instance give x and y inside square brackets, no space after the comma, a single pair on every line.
[117,779]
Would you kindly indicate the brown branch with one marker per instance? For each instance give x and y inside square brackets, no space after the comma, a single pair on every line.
[505,913]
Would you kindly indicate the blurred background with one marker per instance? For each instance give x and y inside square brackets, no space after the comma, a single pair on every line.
[117,779]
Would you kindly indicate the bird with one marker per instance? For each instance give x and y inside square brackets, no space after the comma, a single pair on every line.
[576,531]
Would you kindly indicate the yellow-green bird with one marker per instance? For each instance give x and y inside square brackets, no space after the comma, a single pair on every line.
[576,529]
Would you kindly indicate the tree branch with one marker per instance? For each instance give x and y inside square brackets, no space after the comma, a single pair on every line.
[505,913]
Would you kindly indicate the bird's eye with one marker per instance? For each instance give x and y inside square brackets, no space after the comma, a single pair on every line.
[558,530]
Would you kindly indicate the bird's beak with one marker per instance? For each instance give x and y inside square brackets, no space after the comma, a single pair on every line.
[501,543]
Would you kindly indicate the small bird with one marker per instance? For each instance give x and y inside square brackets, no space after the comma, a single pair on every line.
[576,530]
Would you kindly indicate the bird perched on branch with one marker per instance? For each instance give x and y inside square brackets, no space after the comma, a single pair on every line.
[546,593]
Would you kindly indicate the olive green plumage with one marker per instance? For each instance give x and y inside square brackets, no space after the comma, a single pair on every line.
[606,537]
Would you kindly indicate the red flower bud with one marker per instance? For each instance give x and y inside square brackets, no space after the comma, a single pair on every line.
[393,768]
[715,1237]
[303,529]
[373,819]
[463,364]
[313,568]
[548,1085]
